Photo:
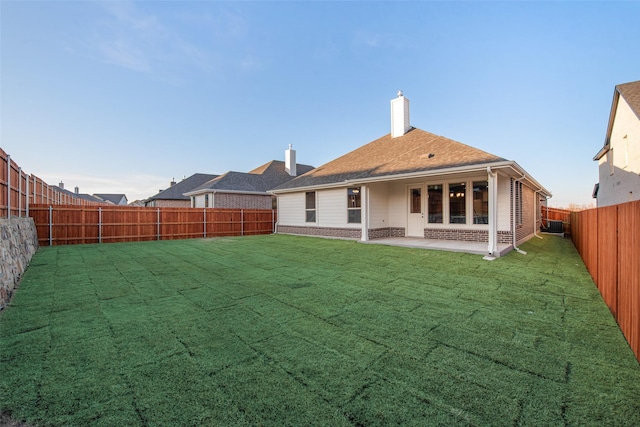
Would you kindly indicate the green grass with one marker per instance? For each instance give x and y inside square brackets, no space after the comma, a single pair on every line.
[282,330]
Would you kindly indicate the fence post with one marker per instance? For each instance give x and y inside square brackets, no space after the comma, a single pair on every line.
[8,186]
[50,225]
[99,224]
[158,223]
[242,222]
[27,197]
[204,220]
[19,192]
[273,221]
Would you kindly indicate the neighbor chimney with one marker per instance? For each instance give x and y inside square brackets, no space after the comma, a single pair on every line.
[173,182]
[399,115]
[290,161]
[77,190]
[61,185]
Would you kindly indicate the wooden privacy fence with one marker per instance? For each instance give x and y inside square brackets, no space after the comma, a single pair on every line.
[608,240]
[67,225]
[19,190]
[555,214]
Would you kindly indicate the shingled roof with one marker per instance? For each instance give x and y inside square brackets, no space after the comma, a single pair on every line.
[415,151]
[259,180]
[176,191]
[631,93]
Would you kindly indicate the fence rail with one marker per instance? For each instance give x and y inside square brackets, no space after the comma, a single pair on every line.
[67,225]
[607,239]
[19,190]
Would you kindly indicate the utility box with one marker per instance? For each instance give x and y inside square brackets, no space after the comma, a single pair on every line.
[554,226]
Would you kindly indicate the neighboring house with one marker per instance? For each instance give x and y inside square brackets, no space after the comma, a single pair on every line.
[174,195]
[248,190]
[412,183]
[619,159]
[116,199]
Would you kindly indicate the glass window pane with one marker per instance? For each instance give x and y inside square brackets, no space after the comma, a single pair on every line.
[310,200]
[457,203]
[354,216]
[353,197]
[435,204]
[480,202]
[416,200]
[311,216]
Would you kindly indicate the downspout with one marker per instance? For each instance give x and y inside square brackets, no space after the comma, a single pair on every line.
[513,200]
[535,201]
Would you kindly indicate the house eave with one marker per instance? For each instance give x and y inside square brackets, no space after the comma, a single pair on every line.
[216,191]
[516,169]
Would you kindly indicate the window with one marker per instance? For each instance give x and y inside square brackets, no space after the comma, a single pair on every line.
[416,200]
[518,196]
[310,206]
[457,203]
[353,206]
[435,203]
[206,200]
[610,161]
[480,202]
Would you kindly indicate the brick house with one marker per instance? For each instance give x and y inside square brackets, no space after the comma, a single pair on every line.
[412,183]
[174,195]
[247,190]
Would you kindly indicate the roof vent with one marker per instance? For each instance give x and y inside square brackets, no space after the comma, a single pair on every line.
[399,115]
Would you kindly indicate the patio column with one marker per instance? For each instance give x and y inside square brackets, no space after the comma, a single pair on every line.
[364,216]
[493,212]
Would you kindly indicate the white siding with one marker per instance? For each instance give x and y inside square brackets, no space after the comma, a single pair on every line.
[397,204]
[199,201]
[378,205]
[504,203]
[332,208]
[291,209]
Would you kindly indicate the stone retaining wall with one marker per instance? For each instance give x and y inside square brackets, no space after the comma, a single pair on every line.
[18,243]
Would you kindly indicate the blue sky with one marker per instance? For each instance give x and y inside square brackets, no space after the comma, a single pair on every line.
[122,97]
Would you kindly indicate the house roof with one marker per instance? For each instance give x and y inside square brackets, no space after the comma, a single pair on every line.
[113,198]
[176,191]
[415,151]
[631,94]
[259,180]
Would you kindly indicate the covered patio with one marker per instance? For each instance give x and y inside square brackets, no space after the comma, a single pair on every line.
[479,248]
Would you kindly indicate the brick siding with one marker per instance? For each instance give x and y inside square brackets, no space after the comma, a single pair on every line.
[381,233]
[242,201]
[348,233]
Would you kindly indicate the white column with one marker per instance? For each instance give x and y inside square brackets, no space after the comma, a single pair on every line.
[493,213]
[364,217]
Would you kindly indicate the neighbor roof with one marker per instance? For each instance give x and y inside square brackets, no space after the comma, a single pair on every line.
[631,93]
[415,151]
[259,180]
[176,191]
[113,198]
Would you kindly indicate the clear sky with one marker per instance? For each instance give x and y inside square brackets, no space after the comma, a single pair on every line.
[121,97]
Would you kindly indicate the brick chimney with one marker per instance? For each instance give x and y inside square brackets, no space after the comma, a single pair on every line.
[290,161]
[399,115]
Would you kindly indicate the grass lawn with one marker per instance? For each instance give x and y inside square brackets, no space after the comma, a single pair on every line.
[283,330]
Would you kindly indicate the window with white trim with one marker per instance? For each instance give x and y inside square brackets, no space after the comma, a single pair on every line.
[310,206]
[354,208]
